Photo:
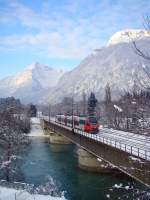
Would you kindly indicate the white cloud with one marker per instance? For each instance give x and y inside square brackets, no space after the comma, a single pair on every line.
[72,29]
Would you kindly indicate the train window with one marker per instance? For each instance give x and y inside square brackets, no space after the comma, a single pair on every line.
[93,120]
[82,121]
[69,121]
[76,123]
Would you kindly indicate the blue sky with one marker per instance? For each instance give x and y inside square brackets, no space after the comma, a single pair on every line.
[60,33]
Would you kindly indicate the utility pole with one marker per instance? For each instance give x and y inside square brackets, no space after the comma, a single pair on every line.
[84,103]
[77,109]
[72,113]
[49,112]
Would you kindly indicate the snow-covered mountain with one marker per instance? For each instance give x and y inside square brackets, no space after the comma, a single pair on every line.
[36,80]
[116,64]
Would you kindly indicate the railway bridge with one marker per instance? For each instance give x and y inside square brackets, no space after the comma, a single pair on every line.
[106,151]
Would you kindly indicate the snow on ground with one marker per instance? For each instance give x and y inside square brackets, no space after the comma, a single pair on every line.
[35,120]
[118,108]
[135,159]
[134,145]
[36,129]
[13,194]
[138,145]
[118,185]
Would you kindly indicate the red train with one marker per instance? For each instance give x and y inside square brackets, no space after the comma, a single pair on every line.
[88,124]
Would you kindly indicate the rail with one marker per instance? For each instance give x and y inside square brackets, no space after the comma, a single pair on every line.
[139,138]
[136,143]
[135,151]
[131,149]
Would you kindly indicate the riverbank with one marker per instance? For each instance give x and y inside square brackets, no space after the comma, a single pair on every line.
[16,194]
[13,194]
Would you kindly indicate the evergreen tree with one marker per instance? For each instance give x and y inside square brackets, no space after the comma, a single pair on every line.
[107,94]
[32,110]
[92,102]
[108,105]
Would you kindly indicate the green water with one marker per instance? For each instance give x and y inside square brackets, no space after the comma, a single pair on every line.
[60,162]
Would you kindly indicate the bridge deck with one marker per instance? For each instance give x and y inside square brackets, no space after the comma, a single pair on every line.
[133,160]
[136,145]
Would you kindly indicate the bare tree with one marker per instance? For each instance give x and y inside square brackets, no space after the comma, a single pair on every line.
[145,55]
[108,104]
[12,142]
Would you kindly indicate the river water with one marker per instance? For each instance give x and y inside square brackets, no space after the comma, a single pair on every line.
[61,163]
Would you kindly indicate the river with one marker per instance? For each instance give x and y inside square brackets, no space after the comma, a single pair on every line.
[61,163]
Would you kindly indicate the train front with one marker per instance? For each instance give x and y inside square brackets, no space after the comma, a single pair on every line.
[91,125]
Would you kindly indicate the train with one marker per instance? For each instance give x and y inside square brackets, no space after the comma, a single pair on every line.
[87,124]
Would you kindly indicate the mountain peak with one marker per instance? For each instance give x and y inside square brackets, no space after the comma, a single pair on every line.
[36,66]
[127,35]
[45,75]
[30,84]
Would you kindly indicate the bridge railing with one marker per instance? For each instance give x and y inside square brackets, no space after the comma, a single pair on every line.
[131,149]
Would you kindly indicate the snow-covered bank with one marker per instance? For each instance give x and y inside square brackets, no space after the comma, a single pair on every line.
[36,129]
[13,194]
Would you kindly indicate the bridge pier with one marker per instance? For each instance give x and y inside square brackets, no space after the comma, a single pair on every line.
[59,148]
[89,162]
[43,124]
[56,138]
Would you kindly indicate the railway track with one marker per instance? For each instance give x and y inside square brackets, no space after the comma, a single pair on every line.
[127,138]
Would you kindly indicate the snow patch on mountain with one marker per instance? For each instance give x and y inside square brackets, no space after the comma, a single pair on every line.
[128,35]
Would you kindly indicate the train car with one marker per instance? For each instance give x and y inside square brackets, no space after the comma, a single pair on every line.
[66,120]
[81,123]
[87,124]
[60,119]
[91,125]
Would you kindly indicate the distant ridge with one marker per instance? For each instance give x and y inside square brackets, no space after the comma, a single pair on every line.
[36,80]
